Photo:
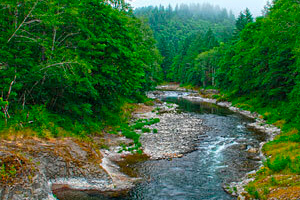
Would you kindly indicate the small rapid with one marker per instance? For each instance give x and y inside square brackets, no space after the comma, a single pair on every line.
[224,153]
[221,157]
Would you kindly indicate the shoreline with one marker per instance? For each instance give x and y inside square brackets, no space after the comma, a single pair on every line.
[112,179]
[234,188]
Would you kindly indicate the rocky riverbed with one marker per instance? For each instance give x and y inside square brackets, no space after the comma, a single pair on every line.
[177,134]
[234,188]
[72,169]
[69,168]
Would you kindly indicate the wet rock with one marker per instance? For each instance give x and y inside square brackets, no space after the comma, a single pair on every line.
[253,150]
[46,161]
[209,91]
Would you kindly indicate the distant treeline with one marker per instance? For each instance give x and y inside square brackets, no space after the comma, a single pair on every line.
[256,61]
[185,31]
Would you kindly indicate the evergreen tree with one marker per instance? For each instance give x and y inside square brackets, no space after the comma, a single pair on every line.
[181,33]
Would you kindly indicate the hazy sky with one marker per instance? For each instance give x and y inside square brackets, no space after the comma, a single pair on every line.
[236,6]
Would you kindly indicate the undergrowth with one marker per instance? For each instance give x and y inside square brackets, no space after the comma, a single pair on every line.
[134,130]
[38,121]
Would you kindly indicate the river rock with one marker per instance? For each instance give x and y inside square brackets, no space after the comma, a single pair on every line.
[237,188]
[48,162]
[253,150]
[177,134]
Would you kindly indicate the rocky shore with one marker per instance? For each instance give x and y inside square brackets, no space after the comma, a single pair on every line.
[69,168]
[259,124]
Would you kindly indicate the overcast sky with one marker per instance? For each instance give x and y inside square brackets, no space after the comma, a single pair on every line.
[236,6]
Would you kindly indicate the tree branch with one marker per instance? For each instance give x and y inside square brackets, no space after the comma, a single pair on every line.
[32,21]
[71,34]
[9,90]
[22,36]
[63,63]
[23,21]
[54,38]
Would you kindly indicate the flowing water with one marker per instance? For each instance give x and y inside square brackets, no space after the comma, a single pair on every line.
[221,157]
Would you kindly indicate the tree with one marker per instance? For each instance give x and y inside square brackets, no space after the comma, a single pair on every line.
[243,19]
[73,58]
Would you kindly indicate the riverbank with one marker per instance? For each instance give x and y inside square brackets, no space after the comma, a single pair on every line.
[70,168]
[278,178]
[235,188]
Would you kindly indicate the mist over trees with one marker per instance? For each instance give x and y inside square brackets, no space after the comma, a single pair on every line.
[204,45]
[182,32]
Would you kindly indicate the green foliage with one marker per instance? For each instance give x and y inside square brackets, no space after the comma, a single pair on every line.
[185,31]
[262,64]
[145,130]
[279,163]
[243,19]
[129,132]
[67,61]
[295,168]
[253,191]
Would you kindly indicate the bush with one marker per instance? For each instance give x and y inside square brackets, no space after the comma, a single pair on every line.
[138,125]
[146,130]
[279,163]
[253,192]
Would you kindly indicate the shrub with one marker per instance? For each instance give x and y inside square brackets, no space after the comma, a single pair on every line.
[146,130]
[279,163]
[253,192]
[138,125]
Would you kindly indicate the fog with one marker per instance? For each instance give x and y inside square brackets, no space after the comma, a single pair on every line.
[255,6]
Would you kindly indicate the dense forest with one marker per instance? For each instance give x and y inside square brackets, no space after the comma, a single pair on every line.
[185,31]
[72,64]
[71,68]
[263,63]
[253,62]
[253,59]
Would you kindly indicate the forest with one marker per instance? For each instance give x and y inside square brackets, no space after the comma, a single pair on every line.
[74,68]
[185,31]
[254,62]
[72,64]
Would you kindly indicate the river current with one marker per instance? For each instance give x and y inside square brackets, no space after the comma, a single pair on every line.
[222,156]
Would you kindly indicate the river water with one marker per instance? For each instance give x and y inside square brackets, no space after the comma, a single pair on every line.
[222,156]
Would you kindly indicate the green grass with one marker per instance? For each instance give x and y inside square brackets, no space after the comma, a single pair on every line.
[129,131]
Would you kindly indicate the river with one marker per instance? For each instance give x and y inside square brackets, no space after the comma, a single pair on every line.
[223,155]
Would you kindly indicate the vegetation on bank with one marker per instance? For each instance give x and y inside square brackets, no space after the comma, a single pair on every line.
[257,69]
[74,68]
[71,68]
